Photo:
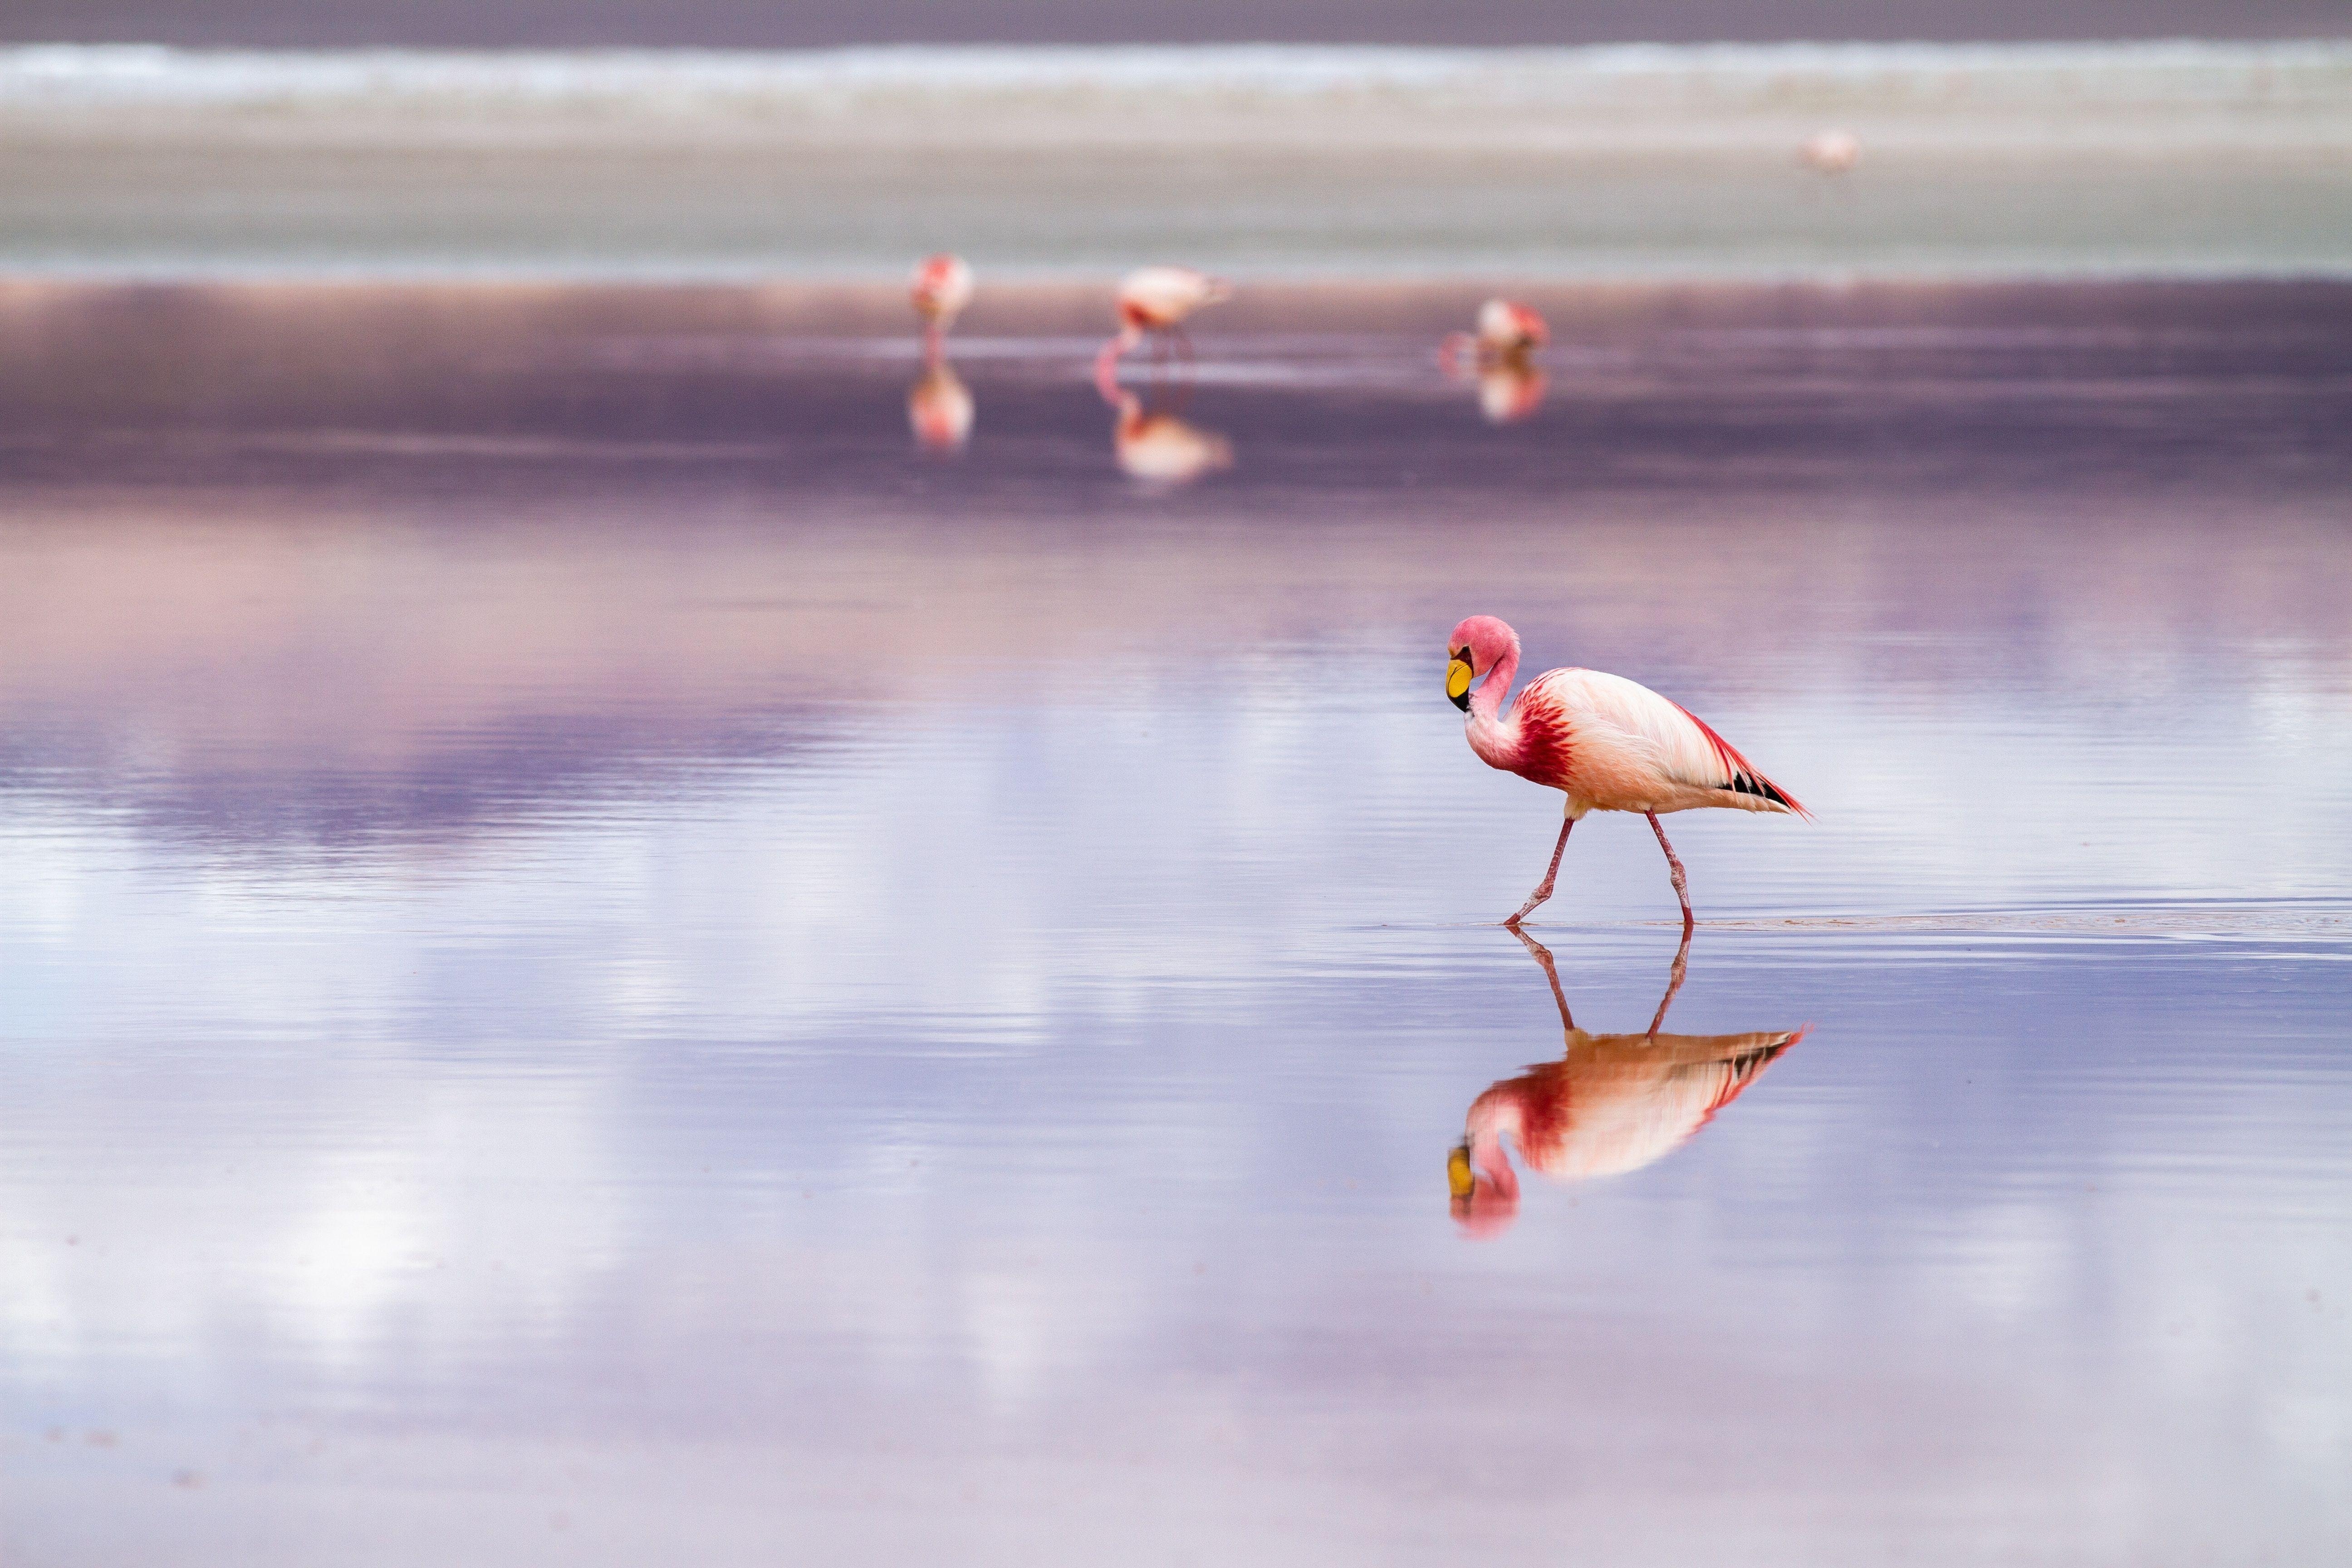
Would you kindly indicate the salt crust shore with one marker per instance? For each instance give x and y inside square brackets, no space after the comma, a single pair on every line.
[2167,159]
[2152,94]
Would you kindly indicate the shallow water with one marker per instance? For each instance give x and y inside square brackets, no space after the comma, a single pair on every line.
[607,961]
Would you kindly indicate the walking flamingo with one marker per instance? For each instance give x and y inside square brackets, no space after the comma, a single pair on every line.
[1611,1104]
[941,288]
[1155,299]
[1606,742]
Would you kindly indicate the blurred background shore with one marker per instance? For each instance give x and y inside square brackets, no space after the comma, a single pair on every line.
[2050,160]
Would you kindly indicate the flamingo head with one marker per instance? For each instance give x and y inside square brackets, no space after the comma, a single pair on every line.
[942,287]
[1485,1193]
[1476,645]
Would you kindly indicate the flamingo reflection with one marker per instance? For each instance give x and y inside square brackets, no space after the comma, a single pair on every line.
[1509,390]
[1159,449]
[939,409]
[1611,1104]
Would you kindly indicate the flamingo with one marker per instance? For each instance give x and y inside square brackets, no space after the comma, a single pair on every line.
[941,288]
[1606,742]
[940,408]
[1155,299]
[1508,332]
[1831,152]
[1611,1104]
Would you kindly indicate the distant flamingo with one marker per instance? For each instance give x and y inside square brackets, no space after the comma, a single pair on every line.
[1155,299]
[1508,332]
[1831,152]
[1611,1104]
[941,288]
[1606,742]
[939,409]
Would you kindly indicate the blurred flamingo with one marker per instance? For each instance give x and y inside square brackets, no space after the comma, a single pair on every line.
[1507,330]
[1606,742]
[1611,1104]
[941,288]
[1831,152]
[939,409]
[1155,299]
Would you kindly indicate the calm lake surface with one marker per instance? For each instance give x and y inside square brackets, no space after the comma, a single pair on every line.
[605,960]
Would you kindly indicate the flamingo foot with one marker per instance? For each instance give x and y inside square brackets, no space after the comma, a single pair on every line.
[1551,873]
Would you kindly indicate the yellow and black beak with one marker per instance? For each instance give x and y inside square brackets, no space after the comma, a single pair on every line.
[1458,1179]
[1457,678]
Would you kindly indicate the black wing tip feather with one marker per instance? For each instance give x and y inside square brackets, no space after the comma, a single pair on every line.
[1751,783]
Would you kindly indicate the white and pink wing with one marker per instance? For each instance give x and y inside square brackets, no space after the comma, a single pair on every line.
[1623,728]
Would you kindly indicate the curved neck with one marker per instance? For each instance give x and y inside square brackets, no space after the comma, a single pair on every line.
[1494,738]
[1487,702]
[1487,1158]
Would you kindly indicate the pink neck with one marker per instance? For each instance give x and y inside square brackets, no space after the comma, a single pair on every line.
[1487,702]
[1491,735]
[1488,1157]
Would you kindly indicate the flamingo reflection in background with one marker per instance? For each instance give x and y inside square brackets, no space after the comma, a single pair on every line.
[1162,450]
[1500,357]
[1606,742]
[939,409]
[1611,1104]
[1155,300]
[942,286]
[1509,390]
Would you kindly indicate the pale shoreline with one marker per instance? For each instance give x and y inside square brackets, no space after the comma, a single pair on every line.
[2059,161]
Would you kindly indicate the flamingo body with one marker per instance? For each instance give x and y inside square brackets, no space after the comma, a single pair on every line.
[942,286]
[1507,327]
[1154,299]
[1605,743]
[1612,744]
[1158,298]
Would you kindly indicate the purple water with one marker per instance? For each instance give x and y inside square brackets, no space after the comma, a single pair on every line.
[607,962]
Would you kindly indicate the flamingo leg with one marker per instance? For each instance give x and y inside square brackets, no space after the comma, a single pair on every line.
[1543,888]
[1184,344]
[1675,867]
[1674,984]
[1551,972]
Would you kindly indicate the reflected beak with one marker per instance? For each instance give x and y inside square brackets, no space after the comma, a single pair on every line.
[1458,1179]
[1457,679]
